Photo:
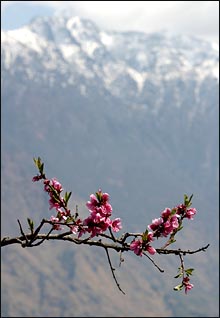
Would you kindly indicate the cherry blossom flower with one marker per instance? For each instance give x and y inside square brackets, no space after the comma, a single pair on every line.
[36,178]
[187,284]
[56,226]
[74,228]
[56,185]
[116,225]
[136,247]
[150,249]
[190,213]
[155,224]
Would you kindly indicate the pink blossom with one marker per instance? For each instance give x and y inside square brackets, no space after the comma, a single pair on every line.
[104,224]
[93,217]
[100,204]
[166,213]
[170,225]
[187,284]
[93,203]
[62,214]
[167,228]
[74,228]
[190,213]
[104,210]
[107,208]
[150,249]
[96,225]
[54,204]
[155,224]
[56,185]
[150,237]
[180,209]
[55,226]
[105,197]
[46,185]
[81,232]
[100,210]
[116,225]
[36,178]
[136,247]
[174,221]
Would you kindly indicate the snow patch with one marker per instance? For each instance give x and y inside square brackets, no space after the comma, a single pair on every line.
[138,77]
[73,21]
[89,47]
[106,39]
[26,37]
[68,50]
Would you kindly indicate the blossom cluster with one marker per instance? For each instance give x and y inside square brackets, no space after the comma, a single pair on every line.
[169,221]
[100,211]
[143,244]
[54,189]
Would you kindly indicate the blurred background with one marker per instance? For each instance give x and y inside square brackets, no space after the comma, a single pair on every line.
[121,96]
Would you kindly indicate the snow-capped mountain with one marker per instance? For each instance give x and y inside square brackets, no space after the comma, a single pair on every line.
[76,48]
[133,113]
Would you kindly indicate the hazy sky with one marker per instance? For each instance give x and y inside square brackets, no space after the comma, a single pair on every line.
[199,18]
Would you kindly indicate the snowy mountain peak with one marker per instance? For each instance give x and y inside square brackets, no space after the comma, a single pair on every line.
[77,48]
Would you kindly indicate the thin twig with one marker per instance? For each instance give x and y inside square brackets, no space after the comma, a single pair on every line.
[22,232]
[37,231]
[112,270]
[45,238]
[179,251]
[160,269]
[112,236]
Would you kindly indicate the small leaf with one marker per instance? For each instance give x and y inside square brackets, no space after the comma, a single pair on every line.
[69,219]
[67,196]
[190,197]
[99,196]
[180,228]
[37,162]
[172,241]
[31,224]
[173,212]
[178,287]
[186,200]
[41,168]
[144,236]
[179,275]
[189,271]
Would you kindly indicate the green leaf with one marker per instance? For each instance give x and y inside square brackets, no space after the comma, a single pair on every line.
[190,197]
[187,201]
[99,196]
[173,212]
[41,168]
[144,236]
[67,196]
[178,287]
[179,275]
[37,162]
[69,219]
[189,271]
[180,228]
[31,224]
[172,241]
